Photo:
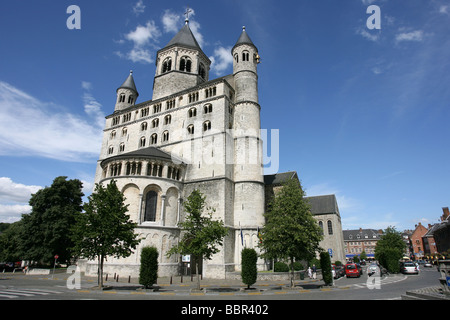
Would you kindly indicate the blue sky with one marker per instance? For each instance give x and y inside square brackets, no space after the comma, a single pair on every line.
[362,113]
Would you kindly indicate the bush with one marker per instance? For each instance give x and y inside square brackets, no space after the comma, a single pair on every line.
[249,271]
[148,273]
[280,267]
[298,266]
[325,265]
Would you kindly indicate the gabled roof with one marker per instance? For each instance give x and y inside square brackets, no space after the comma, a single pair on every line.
[129,83]
[360,234]
[326,204]
[279,178]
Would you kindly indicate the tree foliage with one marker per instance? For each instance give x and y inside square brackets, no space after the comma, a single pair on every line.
[104,228]
[148,272]
[290,233]
[249,272]
[202,236]
[389,249]
[325,265]
[46,230]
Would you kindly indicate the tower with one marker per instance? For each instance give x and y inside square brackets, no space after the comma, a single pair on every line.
[180,65]
[248,170]
[126,94]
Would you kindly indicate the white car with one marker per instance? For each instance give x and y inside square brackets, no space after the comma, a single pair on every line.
[373,268]
[409,267]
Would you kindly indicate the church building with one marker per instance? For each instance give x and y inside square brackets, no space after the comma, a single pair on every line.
[195,133]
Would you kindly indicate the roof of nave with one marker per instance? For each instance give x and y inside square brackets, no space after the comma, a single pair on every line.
[149,152]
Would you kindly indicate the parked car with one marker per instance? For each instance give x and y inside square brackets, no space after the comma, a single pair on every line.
[373,268]
[340,271]
[409,268]
[359,268]
[351,270]
[428,264]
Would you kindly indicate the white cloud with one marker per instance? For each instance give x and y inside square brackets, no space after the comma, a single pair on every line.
[91,106]
[34,128]
[221,60]
[14,199]
[373,35]
[139,7]
[143,34]
[444,9]
[171,21]
[15,192]
[142,37]
[410,36]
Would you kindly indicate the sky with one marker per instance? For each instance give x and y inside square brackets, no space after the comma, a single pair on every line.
[362,113]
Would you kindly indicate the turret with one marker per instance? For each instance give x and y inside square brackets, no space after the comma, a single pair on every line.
[126,94]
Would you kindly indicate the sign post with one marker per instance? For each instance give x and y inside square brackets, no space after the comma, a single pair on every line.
[54,265]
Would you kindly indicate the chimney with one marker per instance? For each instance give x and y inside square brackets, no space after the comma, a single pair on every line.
[446,213]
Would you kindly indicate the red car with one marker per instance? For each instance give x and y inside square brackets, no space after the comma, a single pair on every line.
[351,270]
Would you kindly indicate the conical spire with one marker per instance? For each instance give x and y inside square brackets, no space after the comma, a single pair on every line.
[129,83]
[184,38]
[244,39]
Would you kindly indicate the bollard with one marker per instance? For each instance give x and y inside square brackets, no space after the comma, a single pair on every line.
[114,276]
[129,279]
[181,278]
[106,278]
[170,280]
[117,279]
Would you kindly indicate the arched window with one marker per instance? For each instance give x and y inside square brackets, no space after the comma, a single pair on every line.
[330,227]
[124,132]
[130,99]
[245,56]
[167,119]
[151,201]
[142,142]
[111,150]
[113,134]
[122,97]
[321,227]
[167,65]
[202,71]
[190,129]
[155,123]
[206,126]
[185,64]
[192,112]
[122,147]
[236,57]
[207,108]
[154,138]
[144,126]
[165,136]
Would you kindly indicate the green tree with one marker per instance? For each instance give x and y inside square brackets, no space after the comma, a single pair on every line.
[10,242]
[290,233]
[46,230]
[249,272]
[148,273]
[202,236]
[389,249]
[104,228]
[325,265]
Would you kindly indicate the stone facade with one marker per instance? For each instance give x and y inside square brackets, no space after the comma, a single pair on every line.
[195,133]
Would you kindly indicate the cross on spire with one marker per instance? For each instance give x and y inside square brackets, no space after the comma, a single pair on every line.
[187,14]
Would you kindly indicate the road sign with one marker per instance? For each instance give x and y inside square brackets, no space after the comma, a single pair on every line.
[330,252]
[56,256]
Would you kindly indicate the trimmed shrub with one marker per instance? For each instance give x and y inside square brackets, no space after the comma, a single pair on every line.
[325,265]
[280,267]
[249,271]
[298,266]
[148,273]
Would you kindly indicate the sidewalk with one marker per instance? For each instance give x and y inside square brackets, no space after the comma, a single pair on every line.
[184,286]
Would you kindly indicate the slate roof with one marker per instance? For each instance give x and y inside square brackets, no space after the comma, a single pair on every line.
[244,39]
[184,38]
[129,83]
[279,178]
[326,204]
[360,234]
[150,152]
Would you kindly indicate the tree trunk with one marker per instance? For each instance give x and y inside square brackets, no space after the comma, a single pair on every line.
[198,276]
[292,272]
[100,271]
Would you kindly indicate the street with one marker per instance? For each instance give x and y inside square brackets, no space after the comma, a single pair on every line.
[23,287]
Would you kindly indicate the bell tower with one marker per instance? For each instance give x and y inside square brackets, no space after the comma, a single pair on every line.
[248,168]
[180,65]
